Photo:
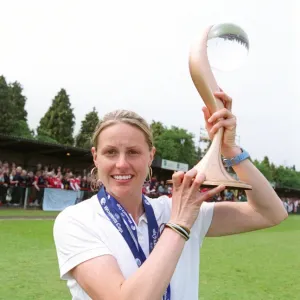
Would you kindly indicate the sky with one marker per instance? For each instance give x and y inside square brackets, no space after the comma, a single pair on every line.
[134,55]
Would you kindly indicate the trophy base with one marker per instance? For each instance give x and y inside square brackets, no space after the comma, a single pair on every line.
[236,185]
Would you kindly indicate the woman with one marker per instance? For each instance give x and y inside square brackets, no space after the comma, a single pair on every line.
[102,243]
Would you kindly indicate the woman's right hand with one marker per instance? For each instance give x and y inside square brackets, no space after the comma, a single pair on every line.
[187,198]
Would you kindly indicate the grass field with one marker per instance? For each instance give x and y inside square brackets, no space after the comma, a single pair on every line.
[26,213]
[253,266]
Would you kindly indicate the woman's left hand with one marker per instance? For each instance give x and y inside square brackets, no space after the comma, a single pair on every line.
[223,118]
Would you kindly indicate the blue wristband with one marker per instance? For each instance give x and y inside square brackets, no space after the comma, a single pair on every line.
[229,162]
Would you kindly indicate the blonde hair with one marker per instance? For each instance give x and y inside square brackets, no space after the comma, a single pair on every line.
[127,117]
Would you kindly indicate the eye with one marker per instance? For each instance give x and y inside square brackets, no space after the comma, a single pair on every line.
[111,152]
[133,152]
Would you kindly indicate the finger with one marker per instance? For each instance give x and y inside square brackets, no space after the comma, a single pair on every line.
[210,193]
[223,113]
[177,178]
[199,179]
[189,176]
[228,124]
[206,113]
[227,101]
[223,96]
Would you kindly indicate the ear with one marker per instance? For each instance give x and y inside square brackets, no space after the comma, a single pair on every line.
[152,154]
[94,153]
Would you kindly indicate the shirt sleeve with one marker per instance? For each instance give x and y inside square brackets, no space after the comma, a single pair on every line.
[204,219]
[76,242]
[163,205]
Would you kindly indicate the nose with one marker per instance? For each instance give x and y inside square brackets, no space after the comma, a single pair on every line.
[122,162]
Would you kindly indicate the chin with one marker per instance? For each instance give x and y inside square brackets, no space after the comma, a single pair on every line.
[122,191]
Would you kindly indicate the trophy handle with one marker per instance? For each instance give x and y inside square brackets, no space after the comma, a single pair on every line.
[202,75]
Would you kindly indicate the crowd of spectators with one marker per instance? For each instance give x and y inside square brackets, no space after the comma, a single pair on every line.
[291,204]
[14,179]
[156,188]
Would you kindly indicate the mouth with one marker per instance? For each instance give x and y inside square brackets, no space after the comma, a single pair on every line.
[123,177]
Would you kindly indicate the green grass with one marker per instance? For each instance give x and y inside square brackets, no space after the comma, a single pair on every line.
[28,262]
[27,213]
[258,265]
[253,266]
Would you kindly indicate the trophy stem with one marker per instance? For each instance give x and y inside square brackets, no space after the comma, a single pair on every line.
[212,166]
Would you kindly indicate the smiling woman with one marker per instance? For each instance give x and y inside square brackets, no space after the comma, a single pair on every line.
[123,153]
[120,244]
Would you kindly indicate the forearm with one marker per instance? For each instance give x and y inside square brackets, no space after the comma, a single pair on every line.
[151,280]
[262,197]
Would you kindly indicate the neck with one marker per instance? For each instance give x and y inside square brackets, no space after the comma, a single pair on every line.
[133,205]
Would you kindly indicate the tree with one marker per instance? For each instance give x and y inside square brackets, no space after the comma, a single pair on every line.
[88,126]
[18,100]
[287,177]
[177,144]
[199,153]
[22,129]
[283,176]
[266,162]
[58,122]
[13,116]
[157,129]
[264,168]
[6,108]
[47,139]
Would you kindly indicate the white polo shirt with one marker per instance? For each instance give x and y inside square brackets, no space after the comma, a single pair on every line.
[83,231]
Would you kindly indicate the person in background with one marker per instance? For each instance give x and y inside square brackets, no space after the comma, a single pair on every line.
[2,186]
[40,183]
[57,182]
[242,196]
[50,179]
[17,191]
[75,187]
[161,188]
[78,180]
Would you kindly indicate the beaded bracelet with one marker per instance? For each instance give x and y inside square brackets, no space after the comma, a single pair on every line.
[179,230]
[182,229]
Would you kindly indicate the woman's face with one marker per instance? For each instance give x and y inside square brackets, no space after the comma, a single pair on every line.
[123,159]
